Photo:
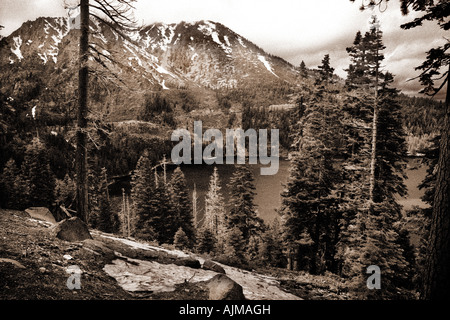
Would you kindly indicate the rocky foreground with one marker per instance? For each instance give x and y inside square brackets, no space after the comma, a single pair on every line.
[36,264]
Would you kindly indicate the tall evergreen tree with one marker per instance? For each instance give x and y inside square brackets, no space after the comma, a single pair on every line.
[38,175]
[270,251]
[116,15]
[325,70]
[308,203]
[142,185]
[108,221]
[180,240]
[437,271]
[214,219]
[15,186]
[181,203]
[242,214]
[371,228]
[235,246]
[206,241]
[163,217]
[357,72]
[391,144]
[303,70]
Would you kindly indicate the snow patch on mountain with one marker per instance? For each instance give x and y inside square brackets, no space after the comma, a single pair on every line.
[43,57]
[163,85]
[16,48]
[60,29]
[209,29]
[166,39]
[162,70]
[266,64]
[241,42]
[227,41]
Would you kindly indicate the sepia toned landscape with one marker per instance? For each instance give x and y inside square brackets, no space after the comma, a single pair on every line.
[174,151]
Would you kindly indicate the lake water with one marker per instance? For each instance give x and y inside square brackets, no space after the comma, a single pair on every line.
[269,188]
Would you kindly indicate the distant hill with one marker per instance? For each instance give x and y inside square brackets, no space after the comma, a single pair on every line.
[203,56]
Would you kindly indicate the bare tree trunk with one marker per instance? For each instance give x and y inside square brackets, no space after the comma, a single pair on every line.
[194,205]
[81,151]
[373,158]
[437,267]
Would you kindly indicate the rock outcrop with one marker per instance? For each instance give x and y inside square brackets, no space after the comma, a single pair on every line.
[210,265]
[223,288]
[72,230]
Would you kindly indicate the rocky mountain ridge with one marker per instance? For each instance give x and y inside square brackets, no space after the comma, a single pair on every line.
[203,53]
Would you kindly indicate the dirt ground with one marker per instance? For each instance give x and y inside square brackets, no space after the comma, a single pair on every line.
[41,269]
[33,266]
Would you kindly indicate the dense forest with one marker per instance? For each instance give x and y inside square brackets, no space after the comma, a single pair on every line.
[347,141]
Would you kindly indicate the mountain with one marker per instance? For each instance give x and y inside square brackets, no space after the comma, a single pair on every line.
[201,55]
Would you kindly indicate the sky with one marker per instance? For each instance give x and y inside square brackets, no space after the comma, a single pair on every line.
[295,30]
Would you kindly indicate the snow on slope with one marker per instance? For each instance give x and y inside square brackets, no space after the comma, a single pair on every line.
[141,275]
[16,50]
[266,64]
[153,57]
[209,29]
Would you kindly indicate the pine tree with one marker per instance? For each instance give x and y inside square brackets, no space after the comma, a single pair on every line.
[38,175]
[371,231]
[162,219]
[181,203]
[303,70]
[381,246]
[437,271]
[181,241]
[309,206]
[206,242]
[15,186]
[325,70]
[116,15]
[266,250]
[65,192]
[242,213]
[391,144]
[235,246]
[357,70]
[142,184]
[108,220]
[214,219]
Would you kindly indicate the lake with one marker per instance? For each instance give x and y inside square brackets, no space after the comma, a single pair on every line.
[268,188]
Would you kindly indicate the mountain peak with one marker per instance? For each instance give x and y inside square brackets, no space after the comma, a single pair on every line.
[201,53]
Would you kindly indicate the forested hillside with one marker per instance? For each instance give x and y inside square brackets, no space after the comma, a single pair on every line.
[347,141]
